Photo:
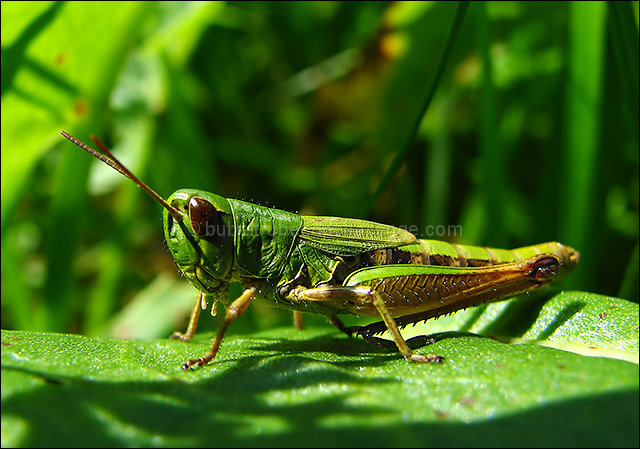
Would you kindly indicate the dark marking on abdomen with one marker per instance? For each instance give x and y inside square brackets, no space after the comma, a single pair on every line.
[400,256]
[389,256]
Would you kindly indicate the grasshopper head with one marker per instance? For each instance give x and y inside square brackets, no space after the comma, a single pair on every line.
[201,241]
[198,227]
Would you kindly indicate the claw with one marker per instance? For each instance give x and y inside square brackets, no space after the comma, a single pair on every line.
[426,358]
[189,364]
[179,336]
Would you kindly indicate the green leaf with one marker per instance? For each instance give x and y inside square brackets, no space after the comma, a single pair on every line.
[316,387]
[54,74]
[580,322]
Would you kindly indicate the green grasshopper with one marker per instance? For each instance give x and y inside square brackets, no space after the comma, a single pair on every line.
[331,266]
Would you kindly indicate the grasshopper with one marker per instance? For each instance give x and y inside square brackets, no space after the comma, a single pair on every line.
[332,266]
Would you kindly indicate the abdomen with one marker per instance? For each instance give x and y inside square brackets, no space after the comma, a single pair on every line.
[436,252]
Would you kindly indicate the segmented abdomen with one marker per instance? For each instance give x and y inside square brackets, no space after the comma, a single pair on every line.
[436,252]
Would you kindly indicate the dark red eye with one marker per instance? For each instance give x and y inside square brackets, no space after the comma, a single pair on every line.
[206,220]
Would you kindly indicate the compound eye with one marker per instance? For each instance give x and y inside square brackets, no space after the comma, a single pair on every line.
[205,219]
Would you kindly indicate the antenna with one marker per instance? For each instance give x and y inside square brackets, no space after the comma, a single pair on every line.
[114,163]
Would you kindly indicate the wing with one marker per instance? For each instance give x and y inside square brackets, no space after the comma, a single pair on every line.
[349,236]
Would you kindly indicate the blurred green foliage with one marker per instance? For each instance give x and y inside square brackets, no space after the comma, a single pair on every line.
[532,136]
